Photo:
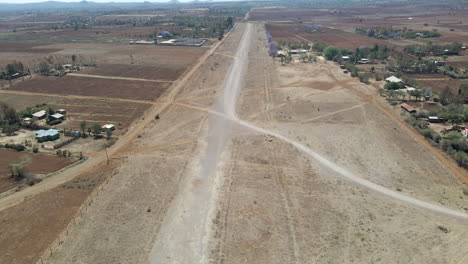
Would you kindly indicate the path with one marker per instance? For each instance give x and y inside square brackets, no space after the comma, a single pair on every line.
[117,78]
[185,232]
[120,146]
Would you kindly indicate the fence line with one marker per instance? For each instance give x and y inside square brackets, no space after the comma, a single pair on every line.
[75,220]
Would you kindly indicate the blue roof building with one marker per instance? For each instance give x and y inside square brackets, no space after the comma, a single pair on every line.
[47,135]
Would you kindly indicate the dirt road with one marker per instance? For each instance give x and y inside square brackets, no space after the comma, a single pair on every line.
[116,78]
[184,235]
[344,186]
[158,107]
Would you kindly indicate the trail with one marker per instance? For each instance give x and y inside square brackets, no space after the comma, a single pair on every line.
[345,173]
[186,230]
[230,102]
[117,78]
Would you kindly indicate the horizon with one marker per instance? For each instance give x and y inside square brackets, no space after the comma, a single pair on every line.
[95,1]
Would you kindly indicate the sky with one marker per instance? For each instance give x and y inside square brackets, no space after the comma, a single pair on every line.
[98,1]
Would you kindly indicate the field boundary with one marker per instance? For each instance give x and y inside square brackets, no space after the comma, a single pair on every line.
[117,78]
[114,154]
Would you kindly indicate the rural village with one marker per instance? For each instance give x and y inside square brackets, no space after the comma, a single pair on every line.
[234,132]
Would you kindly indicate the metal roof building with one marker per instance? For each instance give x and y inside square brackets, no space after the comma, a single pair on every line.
[46,135]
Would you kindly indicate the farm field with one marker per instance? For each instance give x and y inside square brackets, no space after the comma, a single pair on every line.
[236,153]
[329,36]
[92,110]
[39,164]
[97,87]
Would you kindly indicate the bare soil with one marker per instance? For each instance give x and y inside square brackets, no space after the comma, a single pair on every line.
[39,164]
[329,36]
[94,87]
[29,228]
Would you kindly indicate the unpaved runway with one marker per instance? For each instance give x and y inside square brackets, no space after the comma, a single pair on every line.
[184,235]
[272,198]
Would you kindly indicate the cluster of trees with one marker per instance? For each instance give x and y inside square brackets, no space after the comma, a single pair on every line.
[9,120]
[452,142]
[446,97]
[376,52]
[389,32]
[334,53]
[412,66]
[434,49]
[12,68]
[95,130]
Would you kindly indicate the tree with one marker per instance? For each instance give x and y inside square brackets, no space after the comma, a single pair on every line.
[331,52]
[416,93]
[108,134]
[83,127]
[446,96]
[18,168]
[96,129]
[44,68]
[319,46]
[303,57]
[463,92]
[392,86]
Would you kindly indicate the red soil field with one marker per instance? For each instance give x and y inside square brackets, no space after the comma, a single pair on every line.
[43,218]
[463,64]
[441,85]
[96,111]
[25,47]
[138,71]
[329,36]
[83,86]
[40,164]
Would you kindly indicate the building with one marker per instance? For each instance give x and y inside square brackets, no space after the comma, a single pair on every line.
[281,53]
[433,119]
[40,114]
[27,121]
[408,108]
[57,116]
[298,51]
[61,111]
[364,61]
[395,80]
[47,135]
[110,127]
[142,42]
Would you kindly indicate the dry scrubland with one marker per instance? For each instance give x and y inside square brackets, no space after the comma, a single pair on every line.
[276,205]
[124,224]
[268,202]
[100,99]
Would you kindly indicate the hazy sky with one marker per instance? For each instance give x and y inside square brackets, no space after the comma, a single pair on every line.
[100,1]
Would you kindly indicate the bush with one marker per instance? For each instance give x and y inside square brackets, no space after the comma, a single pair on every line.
[319,46]
[364,78]
[331,52]
[55,122]
[430,134]
[462,159]
[392,86]
[17,147]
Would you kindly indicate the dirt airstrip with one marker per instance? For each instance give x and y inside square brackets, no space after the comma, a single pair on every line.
[274,204]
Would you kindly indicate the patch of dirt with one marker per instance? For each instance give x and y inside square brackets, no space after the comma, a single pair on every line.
[39,164]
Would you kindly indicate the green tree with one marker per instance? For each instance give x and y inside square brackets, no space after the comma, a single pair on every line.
[392,86]
[331,52]
[44,68]
[83,125]
[96,129]
[108,134]
[463,92]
